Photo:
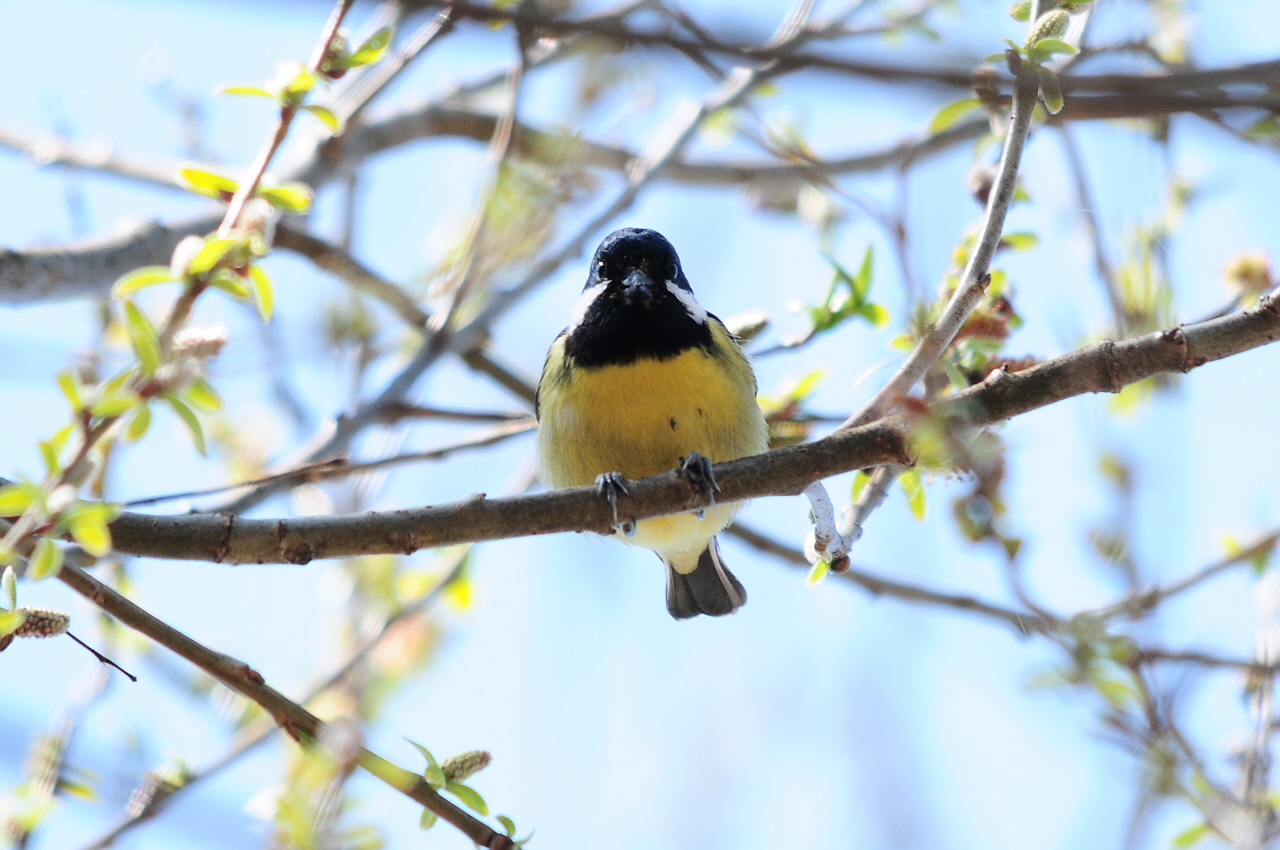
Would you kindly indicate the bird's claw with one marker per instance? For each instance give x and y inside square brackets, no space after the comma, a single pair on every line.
[609,485]
[696,469]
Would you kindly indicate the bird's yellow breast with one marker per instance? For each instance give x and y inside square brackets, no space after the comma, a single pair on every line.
[642,418]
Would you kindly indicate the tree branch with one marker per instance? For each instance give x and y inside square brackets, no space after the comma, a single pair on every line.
[290,716]
[1105,367]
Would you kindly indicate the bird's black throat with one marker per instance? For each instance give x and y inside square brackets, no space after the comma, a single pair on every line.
[615,333]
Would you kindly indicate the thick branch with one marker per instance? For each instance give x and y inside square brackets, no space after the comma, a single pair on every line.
[287,714]
[1105,367]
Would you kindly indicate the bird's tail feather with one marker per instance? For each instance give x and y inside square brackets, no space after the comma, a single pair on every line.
[709,589]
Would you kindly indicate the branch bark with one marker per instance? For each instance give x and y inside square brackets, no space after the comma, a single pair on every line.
[1105,367]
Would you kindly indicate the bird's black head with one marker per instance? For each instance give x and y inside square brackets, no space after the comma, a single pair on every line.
[637,303]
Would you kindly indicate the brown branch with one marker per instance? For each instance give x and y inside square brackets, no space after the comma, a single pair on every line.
[288,715]
[1105,367]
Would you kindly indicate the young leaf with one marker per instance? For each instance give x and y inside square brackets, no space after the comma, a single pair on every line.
[142,336]
[11,621]
[508,824]
[189,417]
[469,797]
[1046,47]
[213,251]
[202,396]
[263,293]
[250,91]
[428,819]
[951,113]
[433,774]
[230,283]
[87,522]
[207,183]
[860,481]
[288,197]
[818,573]
[71,389]
[45,561]
[1050,91]
[326,116]
[115,404]
[913,487]
[138,425]
[1021,11]
[140,279]
[374,48]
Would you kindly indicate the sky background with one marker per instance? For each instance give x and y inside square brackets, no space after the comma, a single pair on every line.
[813,717]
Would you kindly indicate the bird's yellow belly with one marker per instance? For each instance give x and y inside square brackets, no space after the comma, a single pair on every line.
[643,418]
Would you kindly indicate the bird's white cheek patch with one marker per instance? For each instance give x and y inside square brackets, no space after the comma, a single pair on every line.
[690,303]
[588,297]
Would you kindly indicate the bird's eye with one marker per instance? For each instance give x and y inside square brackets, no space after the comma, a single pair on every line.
[600,268]
[673,271]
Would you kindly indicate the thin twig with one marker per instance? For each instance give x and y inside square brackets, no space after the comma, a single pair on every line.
[1024,622]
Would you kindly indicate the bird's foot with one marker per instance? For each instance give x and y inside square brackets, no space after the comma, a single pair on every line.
[696,470]
[609,485]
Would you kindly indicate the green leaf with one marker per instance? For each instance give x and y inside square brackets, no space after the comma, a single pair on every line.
[230,283]
[1050,90]
[202,396]
[951,113]
[1021,11]
[301,83]
[212,252]
[45,561]
[373,49]
[433,775]
[10,583]
[16,498]
[288,197]
[138,425]
[875,314]
[263,293]
[71,389]
[428,819]
[10,621]
[508,824]
[860,481]
[115,404]
[249,91]
[1015,47]
[140,279]
[818,573]
[862,280]
[207,183]
[1190,836]
[326,116]
[1019,241]
[913,486]
[87,522]
[189,417]
[469,797]
[1046,47]
[142,336]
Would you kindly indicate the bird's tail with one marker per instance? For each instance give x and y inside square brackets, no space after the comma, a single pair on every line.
[709,588]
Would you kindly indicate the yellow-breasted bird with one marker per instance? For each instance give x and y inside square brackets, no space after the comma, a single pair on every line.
[644,380]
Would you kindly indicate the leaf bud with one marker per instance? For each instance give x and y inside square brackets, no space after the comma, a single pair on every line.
[459,767]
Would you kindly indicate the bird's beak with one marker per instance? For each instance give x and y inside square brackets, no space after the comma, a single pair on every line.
[638,287]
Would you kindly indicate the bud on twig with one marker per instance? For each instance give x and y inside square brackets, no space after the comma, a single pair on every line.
[42,623]
[459,767]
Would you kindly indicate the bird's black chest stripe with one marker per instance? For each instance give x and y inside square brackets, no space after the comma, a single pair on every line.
[618,334]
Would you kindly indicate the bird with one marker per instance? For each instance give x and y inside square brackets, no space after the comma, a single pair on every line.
[644,380]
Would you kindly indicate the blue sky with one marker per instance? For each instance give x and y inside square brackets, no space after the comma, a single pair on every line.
[811,714]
